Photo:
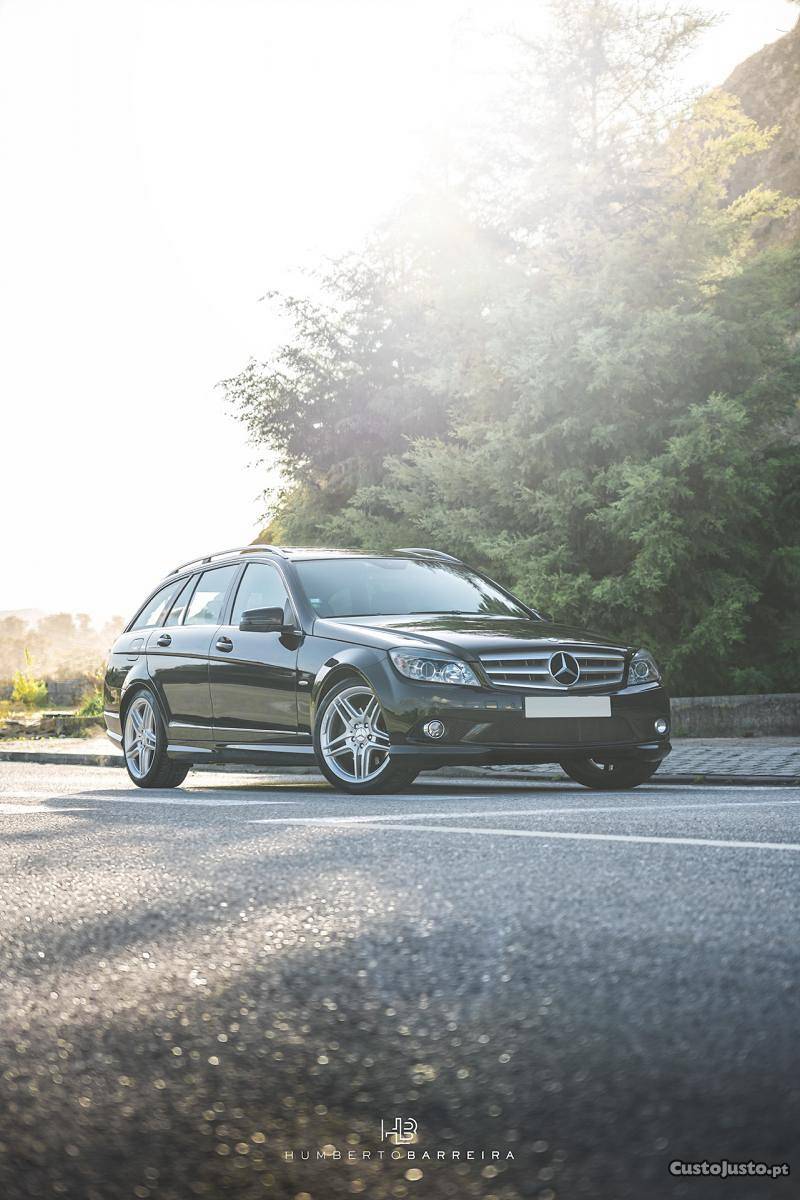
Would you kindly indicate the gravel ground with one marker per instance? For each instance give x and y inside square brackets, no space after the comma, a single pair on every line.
[197,984]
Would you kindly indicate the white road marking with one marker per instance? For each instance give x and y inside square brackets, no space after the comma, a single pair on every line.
[516,812]
[548,834]
[16,809]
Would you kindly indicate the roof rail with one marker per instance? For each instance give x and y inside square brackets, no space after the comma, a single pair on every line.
[252,548]
[425,550]
[257,547]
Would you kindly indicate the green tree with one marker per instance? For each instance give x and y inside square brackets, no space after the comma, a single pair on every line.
[571,369]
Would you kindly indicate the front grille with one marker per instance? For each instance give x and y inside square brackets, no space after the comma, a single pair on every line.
[529,668]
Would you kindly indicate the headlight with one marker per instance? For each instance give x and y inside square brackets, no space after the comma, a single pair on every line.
[429,668]
[643,668]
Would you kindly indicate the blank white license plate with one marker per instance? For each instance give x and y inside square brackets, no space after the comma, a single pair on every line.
[567,706]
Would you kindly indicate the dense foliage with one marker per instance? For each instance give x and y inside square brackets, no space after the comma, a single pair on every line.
[568,366]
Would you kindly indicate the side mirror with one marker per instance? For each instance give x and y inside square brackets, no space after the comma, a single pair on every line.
[262,620]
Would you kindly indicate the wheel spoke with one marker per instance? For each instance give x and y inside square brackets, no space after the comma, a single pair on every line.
[346,710]
[373,714]
[347,749]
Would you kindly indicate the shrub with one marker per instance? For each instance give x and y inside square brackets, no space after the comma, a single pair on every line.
[29,690]
[92,704]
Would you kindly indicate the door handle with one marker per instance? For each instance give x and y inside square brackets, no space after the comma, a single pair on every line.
[164,640]
[225,644]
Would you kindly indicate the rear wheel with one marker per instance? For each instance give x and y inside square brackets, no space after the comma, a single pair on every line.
[607,777]
[352,743]
[144,744]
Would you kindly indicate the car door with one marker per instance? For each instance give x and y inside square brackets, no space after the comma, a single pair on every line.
[254,674]
[177,655]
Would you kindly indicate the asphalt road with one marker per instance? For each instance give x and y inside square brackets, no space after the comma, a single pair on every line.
[196,984]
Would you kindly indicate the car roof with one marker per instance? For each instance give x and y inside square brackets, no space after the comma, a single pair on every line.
[299,553]
[304,553]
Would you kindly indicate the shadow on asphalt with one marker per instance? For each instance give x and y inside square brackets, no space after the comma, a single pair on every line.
[559,1033]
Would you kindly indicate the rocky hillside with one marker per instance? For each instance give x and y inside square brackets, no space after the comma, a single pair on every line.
[768,85]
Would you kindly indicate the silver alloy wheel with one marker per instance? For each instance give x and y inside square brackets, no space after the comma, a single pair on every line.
[140,737]
[352,737]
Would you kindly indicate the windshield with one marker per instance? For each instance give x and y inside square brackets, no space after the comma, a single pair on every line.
[371,587]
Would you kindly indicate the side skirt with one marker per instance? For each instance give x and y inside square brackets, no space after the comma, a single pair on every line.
[262,753]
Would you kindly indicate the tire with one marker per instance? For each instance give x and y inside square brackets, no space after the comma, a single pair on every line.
[144,744]
[608,777]
[351,742]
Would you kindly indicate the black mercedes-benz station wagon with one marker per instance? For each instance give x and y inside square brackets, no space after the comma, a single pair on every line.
[377,666]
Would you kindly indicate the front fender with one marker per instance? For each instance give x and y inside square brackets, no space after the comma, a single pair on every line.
[347,660]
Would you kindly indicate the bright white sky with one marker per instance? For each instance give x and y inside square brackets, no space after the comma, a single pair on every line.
[166,162]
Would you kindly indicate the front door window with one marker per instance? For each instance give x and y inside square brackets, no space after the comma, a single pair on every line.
[261,587]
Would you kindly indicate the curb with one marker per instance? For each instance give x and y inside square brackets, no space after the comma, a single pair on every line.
[732,780]
[62,759]
[686,780]
[116,760]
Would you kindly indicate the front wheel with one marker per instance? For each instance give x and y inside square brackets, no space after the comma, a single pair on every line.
[608,777]
[144,744]
[352,743]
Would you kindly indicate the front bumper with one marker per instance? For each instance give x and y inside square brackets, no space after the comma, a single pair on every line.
[488,725]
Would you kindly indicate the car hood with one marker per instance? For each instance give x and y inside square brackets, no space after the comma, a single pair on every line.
[465,635]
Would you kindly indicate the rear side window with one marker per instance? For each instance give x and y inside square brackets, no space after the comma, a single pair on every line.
[205,606]
[157,607]
[182,599]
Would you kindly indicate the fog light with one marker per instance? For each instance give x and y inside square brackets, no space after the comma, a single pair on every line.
[662,726]
[433,729]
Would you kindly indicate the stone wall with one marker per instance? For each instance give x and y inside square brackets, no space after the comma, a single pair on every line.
[736,716]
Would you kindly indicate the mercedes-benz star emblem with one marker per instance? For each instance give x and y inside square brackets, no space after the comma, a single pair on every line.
[564,668]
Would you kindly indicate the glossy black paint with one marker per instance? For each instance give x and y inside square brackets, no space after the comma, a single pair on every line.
[253,686]
[179,674]
[242,695]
